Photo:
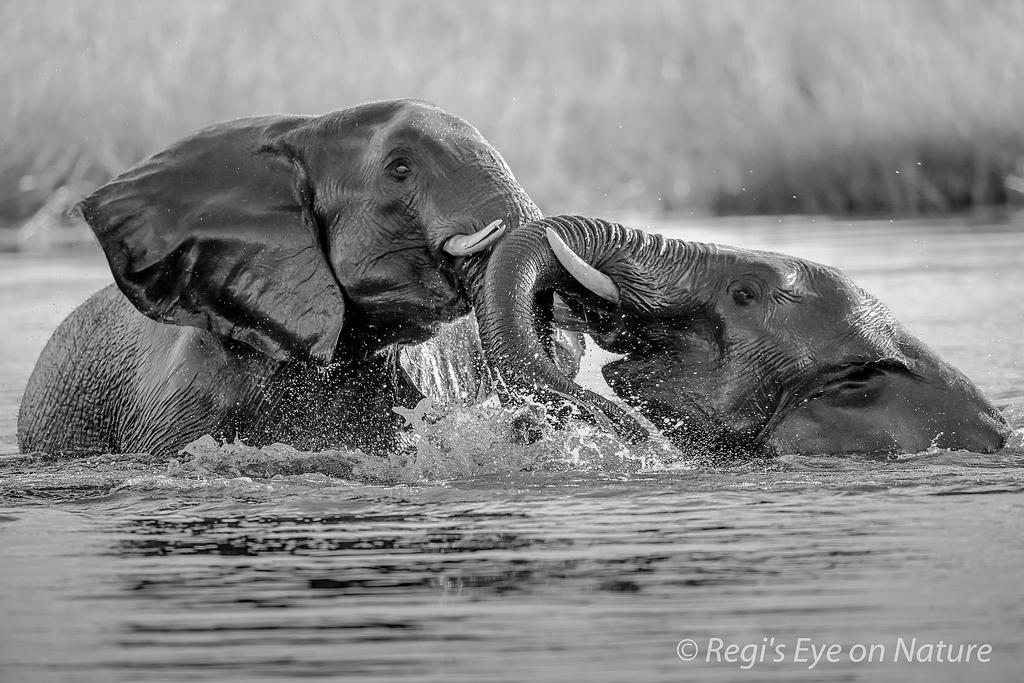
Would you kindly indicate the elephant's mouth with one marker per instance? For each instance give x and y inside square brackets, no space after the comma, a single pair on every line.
[434,316]
[436,296]
[696,430]
[688,420]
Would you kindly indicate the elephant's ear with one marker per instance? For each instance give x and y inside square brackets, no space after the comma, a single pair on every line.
[217,232]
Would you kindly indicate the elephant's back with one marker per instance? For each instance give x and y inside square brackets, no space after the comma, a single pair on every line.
[72,398]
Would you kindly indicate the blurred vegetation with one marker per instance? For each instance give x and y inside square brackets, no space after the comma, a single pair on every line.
[898,106]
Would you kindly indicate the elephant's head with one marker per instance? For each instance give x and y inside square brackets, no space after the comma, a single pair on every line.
[726,348]
[283,232]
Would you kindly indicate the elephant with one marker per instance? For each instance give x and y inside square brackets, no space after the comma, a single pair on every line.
[268,273]
[727,351]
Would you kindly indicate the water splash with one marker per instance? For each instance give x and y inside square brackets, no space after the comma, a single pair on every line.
[442,443]
[488,438]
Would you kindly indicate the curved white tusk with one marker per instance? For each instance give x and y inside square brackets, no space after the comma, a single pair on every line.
[464,245]
[587,275]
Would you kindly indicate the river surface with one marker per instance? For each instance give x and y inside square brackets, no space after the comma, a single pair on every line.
[598,564]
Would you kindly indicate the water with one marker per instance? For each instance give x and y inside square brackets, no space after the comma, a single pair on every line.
[231,564]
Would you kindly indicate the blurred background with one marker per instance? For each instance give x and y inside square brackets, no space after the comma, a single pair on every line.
[867,108]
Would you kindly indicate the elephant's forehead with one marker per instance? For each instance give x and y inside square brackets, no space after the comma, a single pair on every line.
[791,268]
[783,271]
[419,123]
[400,122]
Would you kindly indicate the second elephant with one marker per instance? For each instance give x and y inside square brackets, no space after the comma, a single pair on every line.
[726,350]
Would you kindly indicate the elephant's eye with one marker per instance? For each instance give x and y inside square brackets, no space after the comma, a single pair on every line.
[399,169]
[743,295]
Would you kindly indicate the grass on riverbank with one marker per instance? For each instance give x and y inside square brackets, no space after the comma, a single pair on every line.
[901,106]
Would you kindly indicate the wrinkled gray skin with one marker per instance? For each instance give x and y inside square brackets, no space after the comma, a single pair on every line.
[268,271]
[728,350]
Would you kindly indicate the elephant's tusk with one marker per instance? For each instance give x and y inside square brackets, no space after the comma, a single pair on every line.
[587,275]
[464,245]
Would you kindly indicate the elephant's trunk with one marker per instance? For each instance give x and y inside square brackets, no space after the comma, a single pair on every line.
[513,304]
